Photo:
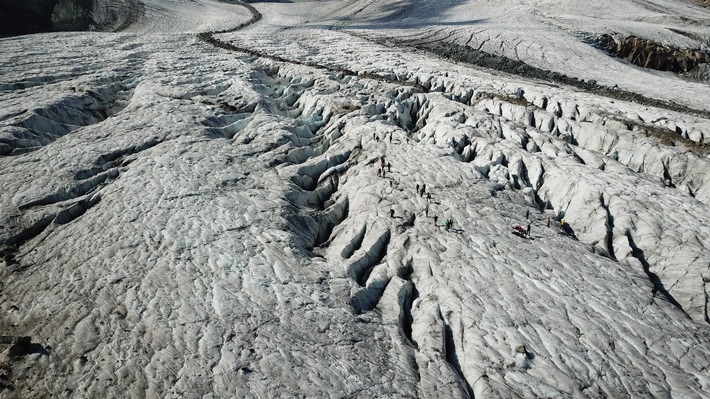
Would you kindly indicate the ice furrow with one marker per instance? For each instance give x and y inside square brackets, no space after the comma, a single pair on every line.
[453,360]
[609,228]
[329,219]
[308,175]
[41,126]
[653,277]
[85,187]
[355,243]
[359,269]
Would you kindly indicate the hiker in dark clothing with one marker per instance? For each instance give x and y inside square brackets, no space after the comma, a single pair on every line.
[527,214]
[528,229]
[389,167]
[390,138]
[426,211]
[428,197]
[435,219]
[417,187]
[391,213]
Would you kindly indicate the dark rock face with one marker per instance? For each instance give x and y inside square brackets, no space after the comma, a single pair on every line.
[72,15]
[649,54]
[21,17]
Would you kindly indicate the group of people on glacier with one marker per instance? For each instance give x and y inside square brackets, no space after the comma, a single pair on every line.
[520,230]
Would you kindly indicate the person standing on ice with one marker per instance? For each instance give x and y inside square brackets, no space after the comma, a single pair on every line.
[391,213]
[548,221]
[417,187]
[379,172]
[435,219]
[426,210]
[528,230]
[389,167]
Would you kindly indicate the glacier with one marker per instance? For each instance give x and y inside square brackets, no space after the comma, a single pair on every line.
[223,199]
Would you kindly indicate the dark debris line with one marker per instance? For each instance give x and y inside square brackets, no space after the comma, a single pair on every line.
[208,37]
[468,55]
[472,56]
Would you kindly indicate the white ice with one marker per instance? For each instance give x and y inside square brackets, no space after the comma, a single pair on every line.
[184,220]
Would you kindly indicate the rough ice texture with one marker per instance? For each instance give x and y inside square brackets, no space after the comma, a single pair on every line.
[180,220]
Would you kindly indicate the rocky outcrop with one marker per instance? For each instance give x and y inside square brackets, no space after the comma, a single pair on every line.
[72,15]
[649,54]
[115,15]
[21,18]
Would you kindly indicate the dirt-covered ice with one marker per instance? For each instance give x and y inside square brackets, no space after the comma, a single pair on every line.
[269,217]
